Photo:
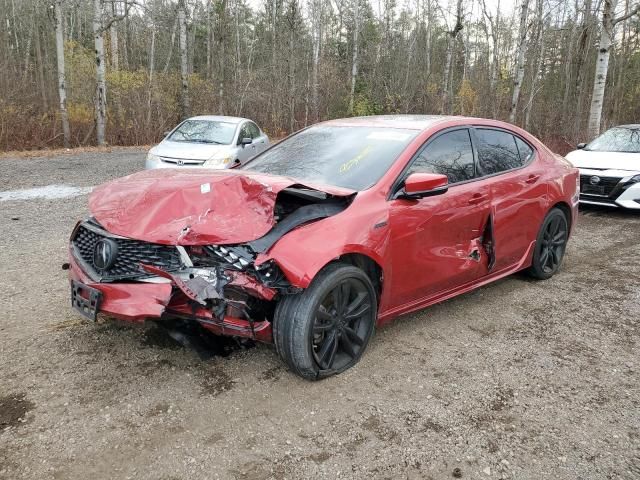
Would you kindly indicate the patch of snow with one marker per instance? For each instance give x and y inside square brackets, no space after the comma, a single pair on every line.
[48,192]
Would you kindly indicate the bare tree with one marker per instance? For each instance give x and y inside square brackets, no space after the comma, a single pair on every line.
[609,22]
[316,39]
[494,25]
[113,37]
[62,83]
[184,59]
[537,70]
[520,60]
[100,100]
[354,58]
[288,63]
[448,81]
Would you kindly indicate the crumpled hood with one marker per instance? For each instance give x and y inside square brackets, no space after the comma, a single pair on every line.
[605,160]
[188,207]
[190,151]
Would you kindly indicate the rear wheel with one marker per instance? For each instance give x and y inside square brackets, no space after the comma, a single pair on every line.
[325,329]
[550,245]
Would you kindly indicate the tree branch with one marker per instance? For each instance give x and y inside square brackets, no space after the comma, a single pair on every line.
[628,15]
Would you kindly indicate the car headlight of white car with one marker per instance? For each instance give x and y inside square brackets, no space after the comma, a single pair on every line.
[152,158]
[219,161]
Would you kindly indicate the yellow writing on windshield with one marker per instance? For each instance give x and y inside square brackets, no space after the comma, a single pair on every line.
[345,167]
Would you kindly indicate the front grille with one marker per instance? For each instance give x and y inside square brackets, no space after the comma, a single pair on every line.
[602,188]
[181,161]
[129,255]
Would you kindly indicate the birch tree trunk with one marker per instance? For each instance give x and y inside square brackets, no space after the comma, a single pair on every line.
[354,62]
[520,60]
[609,23]
[222,39]
[184,60]
[316,39]
[602,67]
[62,85]
[100,100]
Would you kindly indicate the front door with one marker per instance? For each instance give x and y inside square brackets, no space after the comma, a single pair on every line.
[436,242]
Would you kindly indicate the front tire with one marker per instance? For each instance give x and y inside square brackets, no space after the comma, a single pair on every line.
[325,329]
[551,244]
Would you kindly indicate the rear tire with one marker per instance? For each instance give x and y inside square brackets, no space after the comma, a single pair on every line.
[550,246]
[325,329]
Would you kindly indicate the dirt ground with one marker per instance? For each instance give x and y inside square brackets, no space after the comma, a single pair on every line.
[519,379]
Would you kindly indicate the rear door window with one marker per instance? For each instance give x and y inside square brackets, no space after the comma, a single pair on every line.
[526,152]
[253,130]
[449,154]
[497,151]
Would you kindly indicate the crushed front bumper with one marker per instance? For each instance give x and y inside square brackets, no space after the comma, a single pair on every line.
[141,301]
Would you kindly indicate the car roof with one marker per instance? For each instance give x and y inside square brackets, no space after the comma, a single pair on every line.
[412,122]
[218,118]
[631,126]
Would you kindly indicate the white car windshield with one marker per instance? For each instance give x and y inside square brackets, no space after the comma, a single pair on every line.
[204,131]
[618,139]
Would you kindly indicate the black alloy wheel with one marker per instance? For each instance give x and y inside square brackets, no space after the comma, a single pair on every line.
[341,326]
[550,245]
[325,329]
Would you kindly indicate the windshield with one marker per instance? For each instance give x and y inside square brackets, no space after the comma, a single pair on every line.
[617,140]
[204,131]
[349,157]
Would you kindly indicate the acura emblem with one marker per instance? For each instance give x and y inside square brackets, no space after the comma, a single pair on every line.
[104,254]
[595,180]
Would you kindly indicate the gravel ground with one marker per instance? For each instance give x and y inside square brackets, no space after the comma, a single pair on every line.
[519,379]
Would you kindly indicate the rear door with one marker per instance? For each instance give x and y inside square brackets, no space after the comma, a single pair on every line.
[436,241]
[518,191]
[245,152]
[260,140]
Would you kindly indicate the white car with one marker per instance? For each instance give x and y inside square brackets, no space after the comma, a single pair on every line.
[208,141]
[610,168]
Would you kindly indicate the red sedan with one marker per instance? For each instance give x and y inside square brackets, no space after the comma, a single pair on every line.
[333,231]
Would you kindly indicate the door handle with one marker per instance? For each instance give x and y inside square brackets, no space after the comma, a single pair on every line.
[533,178]
[478,198]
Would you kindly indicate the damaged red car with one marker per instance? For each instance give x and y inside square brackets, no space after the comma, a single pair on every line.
[328,234]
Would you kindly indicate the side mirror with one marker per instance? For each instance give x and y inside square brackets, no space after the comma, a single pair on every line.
[166,134]
[246,141]
[580,146]
[419,185]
